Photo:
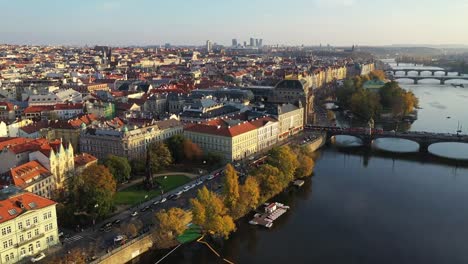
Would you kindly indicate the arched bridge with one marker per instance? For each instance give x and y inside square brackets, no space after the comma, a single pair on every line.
[442,79]
[419,71]
[424,139]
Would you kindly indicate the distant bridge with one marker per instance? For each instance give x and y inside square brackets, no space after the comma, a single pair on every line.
[419,71]
[424,139]
[441,79]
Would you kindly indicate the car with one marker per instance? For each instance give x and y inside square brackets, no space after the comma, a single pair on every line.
[38,257]
[251,157]
[187,188]
[173,197]
[156,202]
[116,222]
[144,209]
[237,165]
[210,177]
[199,182]
[134,213]
[193,185]
[179,193]
[105,226]
[119,239]
[163,200]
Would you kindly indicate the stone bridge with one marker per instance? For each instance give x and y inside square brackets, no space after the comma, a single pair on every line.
[442,79]
[422,138]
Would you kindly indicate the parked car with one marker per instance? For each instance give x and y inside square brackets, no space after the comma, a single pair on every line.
[163,200]
[38,257]
[186,188]
[156,202]
[144,209]
[179,193]
[173,196]
[210,177]
[116,222]
[119,239]
[135,213]
[105,226]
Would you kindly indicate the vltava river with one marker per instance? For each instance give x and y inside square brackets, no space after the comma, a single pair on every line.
[365,209]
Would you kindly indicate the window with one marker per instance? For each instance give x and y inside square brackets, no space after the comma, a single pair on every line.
[36,232]
[22,251]
[28,222]
[21,238]
[35,220]
[29,235]
[10,242]
[5,244]
[30,248]
[38,244]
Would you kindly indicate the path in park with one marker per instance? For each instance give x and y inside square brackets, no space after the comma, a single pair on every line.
[139,180]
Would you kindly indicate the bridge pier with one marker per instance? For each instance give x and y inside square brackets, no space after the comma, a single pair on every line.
[433,73]
[459,74]
[419,73]
[424,147]
[446,73]
[406,73]
[415,81]
[442,81]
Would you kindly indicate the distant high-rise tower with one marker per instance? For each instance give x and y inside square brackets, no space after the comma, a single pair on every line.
[234,42]
[260,42]
[245,43]
[257,43]
[209,46]
[252,42]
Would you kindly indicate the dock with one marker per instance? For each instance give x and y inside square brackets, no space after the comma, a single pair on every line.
[272,212]
[298,183]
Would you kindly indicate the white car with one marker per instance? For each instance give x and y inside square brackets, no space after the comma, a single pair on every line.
[186,188]
[134,213]
[210,177]
[38,257]
[118,238]
[163,200]
[179,193]
[199,182]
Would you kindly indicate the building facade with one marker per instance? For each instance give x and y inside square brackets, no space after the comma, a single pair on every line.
[28,225]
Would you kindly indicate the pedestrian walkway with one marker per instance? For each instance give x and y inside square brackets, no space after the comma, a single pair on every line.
[72,239]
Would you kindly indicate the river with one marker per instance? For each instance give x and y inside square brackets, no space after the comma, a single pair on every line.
[365,208]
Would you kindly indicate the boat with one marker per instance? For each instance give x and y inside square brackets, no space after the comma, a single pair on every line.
[272,212]
[298,183]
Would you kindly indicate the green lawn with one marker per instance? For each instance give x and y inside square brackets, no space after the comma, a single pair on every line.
[136,193]
[191,234]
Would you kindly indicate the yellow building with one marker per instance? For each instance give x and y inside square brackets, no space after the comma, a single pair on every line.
[233,140]
[28,225]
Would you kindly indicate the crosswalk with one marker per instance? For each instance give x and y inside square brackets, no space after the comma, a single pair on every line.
[72,239]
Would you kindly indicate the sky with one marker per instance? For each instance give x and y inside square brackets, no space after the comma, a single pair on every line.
[192,22]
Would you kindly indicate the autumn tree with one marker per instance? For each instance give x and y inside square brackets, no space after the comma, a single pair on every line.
[285,160]
[119,167]
[129,230]
[306,163]
[169,225]
[191,150]
[231,187]
[271,181]
[211,214]
[160,156]
[75,256]
[249,196]
[377,75]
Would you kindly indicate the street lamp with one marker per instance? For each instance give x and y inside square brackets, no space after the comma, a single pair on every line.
[94,216]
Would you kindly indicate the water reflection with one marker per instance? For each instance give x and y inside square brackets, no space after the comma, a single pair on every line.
[396,145]
[346,141]
[452,150]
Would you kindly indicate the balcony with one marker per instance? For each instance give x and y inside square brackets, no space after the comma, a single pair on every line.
[26,241]
[29,227]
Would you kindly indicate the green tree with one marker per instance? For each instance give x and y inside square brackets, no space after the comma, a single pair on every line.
[169,225]
[175,145]
[210,213]
[366,104]
[119,167]
[231,187]
[160,156]
[92,192]
[138,166]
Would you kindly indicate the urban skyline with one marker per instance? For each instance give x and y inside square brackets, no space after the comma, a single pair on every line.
[338,22]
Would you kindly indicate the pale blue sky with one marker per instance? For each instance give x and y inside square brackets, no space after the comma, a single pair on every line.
[309,22]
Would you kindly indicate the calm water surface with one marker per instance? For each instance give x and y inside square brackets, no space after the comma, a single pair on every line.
[366,209]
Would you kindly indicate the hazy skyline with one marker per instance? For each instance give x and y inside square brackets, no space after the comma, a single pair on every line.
[292,22]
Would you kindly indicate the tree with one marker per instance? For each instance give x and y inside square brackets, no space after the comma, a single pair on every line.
[160,156]
[92,192]
[231,187]
[271,181]
[366,104]
[119,167]
[75,256]
[191,150]
[306,165]
[175,146]
[138,166]
[169,225]
[210,213]
[377,75]
[249,196]
[285,160]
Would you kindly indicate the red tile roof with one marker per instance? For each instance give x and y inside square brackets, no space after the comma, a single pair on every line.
[260,122]
[34,127]
[83,159]
[10,141]
[9,106]
[29,201]
[221,128]
[38,108]
[27,172]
